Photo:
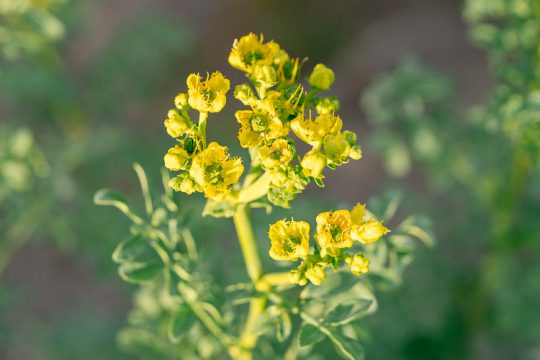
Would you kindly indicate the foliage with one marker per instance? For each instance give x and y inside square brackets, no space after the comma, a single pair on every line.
[488,153]
[28,27]
[183,310]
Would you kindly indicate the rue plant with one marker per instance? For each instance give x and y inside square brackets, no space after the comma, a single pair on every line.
[324,290]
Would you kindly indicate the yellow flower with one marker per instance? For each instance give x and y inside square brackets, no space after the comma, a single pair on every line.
[176,158]
[176,123]
[207,95]
[297,277]
[181,101]
[290,240]
[356,150]
[370,231]
[250,51]
[313,164]
[245,94]
[359,264]
[327,105]
[337,149]
[184,183]
[215,171]
[334,231]
[314,131]
[264,75]
[358,213]
[321,77]
[279,153]
[365,228]
[285,185]
[258,126]
[315,271]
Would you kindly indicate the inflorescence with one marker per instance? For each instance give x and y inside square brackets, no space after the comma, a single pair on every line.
[278,105]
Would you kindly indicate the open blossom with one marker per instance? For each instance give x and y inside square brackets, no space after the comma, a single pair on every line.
[314,131]
[215,171]
[257,127]
[278,154]
[289,239]
[249,51]
[207,95]
[334,231]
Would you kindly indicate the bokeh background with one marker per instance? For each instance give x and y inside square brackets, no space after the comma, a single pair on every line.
[84,88]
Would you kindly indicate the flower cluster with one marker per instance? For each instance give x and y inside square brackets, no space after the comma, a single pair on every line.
[278,105]
[337,231]
[203,168]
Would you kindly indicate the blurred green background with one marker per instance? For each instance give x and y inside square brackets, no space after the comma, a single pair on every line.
[86,84]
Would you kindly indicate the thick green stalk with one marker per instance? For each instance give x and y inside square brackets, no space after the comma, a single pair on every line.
[246,237]
[255,190]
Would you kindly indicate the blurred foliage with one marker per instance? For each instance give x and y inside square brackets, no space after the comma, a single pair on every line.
[58,142]
[28,27]
[485,162]
[182,309]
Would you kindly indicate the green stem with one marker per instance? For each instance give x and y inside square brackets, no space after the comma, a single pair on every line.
[275,279]
[190,296]
[256,190]
[202,126]
[246,237]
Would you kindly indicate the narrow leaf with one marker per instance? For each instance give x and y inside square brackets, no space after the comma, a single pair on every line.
[109,197]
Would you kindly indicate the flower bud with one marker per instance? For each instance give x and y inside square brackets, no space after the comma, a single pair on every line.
[265,75]
[244,93]
[184,183]
[176,158]
[327,106]
[176,123]
[313,164]
[181,101]
[315,273]
[356,150]
[359,264]
[337,148]
[369,232]
[321,77]
[296,277]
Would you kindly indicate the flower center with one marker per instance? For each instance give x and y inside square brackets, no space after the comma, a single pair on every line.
[291,243]
[335,231]
[208,95]
[259,123]
[275,155]
[253,56]
[213,174]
